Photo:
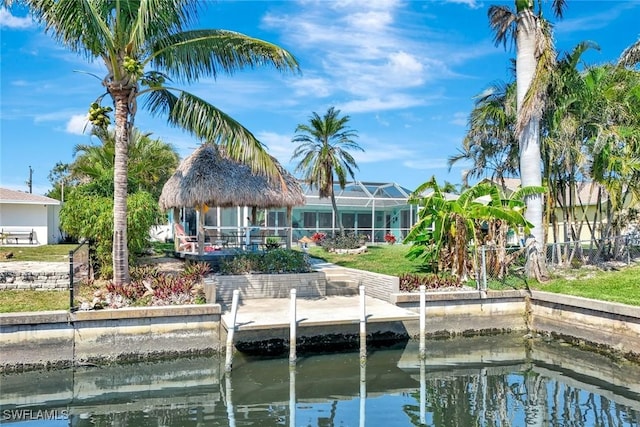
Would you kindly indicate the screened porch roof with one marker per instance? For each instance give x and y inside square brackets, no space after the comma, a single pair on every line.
[361,195]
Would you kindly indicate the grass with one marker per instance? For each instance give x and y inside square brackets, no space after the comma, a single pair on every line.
[383,259]
[618,286]
[49,253]
[615,286]
[17,301]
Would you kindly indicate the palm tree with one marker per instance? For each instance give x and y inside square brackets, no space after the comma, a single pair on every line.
[631,55]
[490,142]
[151,161]
[323,149]
[534,61]
[144,44]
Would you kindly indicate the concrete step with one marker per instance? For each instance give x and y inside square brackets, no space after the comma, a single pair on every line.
[342,287]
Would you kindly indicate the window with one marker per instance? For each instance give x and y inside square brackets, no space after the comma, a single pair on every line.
[325,219]
[275,219]
[309,220]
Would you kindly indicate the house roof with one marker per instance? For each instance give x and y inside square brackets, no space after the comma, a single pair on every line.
[21,198]
[208,176]
[361,194]
[587,191]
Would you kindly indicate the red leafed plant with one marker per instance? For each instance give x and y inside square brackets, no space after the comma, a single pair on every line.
[318,237]
[390,238]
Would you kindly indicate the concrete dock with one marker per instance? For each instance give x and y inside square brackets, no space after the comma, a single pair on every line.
[328,323]
[273,313]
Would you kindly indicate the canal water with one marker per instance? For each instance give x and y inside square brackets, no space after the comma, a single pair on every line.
[506,380]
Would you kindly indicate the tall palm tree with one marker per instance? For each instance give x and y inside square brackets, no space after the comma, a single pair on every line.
[144,44]
[631,55]
[534,61]
[323,149]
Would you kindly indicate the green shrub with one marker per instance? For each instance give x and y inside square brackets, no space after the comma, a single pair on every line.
[340,241]
[412,282]
[275,261]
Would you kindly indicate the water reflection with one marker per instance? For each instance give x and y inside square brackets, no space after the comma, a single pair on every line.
[482,381]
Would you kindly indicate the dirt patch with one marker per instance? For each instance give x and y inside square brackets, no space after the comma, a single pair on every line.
[164,264]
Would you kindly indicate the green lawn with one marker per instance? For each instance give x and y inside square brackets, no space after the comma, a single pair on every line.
[617,286]
[49,253]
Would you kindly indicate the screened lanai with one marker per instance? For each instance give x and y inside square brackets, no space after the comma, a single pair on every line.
[370,209]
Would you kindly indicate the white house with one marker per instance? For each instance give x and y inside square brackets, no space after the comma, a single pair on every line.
[29,218]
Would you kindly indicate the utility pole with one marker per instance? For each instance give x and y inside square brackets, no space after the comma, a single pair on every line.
[30,181]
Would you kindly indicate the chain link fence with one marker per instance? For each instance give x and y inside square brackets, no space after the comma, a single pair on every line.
[506,266]
[80,272]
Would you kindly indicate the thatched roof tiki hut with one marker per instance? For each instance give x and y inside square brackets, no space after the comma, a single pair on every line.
[208,177]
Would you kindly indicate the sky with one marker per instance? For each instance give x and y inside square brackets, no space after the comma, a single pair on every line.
[405,72]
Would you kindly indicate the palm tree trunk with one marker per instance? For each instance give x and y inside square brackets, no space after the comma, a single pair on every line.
[529,138]
[336,213]
[120,249]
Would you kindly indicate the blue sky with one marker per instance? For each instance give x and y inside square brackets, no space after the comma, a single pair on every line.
[405,72]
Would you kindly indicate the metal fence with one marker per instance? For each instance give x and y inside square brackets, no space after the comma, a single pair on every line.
[507,265]
[80,271]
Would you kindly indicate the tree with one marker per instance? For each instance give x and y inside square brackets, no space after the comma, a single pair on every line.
[448,231]
[151,161]
[631,55]
[144,44]
[534,61]
[490,142]
[323,149]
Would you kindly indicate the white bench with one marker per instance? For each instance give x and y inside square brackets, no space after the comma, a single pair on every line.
[17,235]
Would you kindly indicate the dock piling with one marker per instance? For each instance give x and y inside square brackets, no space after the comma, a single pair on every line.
[363,324]
[423,315]
[293,328]
[231,331]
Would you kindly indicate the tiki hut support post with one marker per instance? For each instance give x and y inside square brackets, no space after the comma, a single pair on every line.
[200,217]
[176,220]
[288,226]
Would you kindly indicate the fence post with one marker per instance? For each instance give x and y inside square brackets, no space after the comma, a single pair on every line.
[70,280]
[484,268]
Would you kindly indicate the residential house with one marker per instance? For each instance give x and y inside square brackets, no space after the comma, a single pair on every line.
[25,213]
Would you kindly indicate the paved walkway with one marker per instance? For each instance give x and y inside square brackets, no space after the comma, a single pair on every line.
[34,267]
[272,313]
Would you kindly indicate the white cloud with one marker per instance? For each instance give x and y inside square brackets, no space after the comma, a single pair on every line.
[78,125]
[278,145]
[459,118]
[473,4]
[426,164]
[369,54]
[391,102]
[314,86]
[595,21]
[7,20]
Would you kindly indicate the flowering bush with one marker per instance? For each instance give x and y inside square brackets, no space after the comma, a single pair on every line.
[318,237]
[390,238]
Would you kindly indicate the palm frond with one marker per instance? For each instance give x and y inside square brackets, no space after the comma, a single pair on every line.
[631,55]
[190,55]
[502,21]
[210,124]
